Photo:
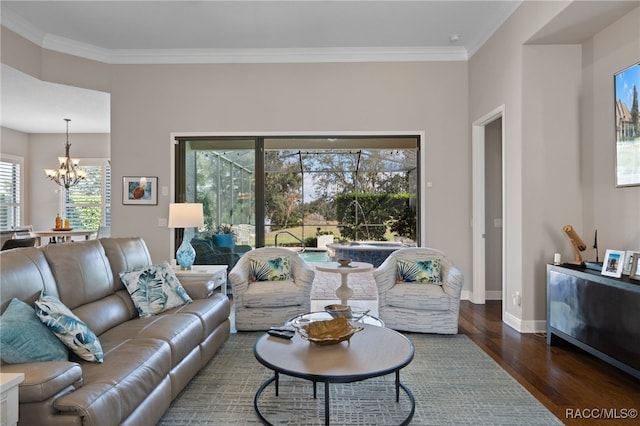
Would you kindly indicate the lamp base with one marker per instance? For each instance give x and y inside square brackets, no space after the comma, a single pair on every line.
[186,254]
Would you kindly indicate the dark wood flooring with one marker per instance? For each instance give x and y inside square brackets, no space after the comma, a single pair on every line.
[567,380]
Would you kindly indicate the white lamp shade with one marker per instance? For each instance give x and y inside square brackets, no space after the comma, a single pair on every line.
[185,215]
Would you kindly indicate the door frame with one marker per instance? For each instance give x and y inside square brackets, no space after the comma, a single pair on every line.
[478,293]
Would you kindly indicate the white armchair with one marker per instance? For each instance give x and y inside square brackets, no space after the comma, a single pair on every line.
[415,306]
[261,304]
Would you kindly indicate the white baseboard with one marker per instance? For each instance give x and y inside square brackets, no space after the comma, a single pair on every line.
[530,326]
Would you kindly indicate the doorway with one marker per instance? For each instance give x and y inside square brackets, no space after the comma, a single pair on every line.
[488,145]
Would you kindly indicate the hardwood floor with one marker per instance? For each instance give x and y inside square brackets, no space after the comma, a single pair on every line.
[567,380]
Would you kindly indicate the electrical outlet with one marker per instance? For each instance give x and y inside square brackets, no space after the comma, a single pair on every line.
[517,300]
[162,222]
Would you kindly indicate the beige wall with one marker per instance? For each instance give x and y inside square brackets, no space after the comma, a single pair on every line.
[614,212]
[149,102]
[559,118]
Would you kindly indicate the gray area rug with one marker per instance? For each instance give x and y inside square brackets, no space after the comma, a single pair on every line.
[454,383]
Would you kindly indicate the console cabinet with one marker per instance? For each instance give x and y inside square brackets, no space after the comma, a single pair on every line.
[599,314]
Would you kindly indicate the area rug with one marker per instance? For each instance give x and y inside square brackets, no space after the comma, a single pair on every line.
[325,285]
[454,383]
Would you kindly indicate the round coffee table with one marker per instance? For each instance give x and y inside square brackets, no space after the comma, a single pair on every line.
[372,352]
[344,292]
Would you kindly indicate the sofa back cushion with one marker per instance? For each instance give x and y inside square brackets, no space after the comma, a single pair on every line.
[125,254]
[81,270]
[24,273]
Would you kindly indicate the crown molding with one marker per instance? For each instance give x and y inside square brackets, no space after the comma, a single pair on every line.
[236,56]
[231,56]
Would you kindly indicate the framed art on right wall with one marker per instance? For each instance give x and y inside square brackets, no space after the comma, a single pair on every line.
[627,124]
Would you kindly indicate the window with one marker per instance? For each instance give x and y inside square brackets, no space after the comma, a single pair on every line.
[10,192]
[88,204]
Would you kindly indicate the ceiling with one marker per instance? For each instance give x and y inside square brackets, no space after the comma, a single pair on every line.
[120,32]
[242,31]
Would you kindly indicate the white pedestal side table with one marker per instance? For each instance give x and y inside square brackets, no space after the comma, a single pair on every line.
[9,398]
[344,292]
[204,273]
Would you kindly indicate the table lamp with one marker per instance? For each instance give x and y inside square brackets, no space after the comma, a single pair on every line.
[185,215]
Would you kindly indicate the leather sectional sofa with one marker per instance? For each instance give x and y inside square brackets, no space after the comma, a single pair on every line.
[148,360]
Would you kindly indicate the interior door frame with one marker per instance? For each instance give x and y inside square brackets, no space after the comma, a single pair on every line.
[478,294]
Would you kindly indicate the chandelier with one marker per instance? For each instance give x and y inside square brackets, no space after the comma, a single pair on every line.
[68,174]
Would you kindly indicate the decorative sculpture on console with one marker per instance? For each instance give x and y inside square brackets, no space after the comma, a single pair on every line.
[576,241]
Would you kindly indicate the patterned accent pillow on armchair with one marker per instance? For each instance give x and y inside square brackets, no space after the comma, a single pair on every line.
[420,271]
[278,269]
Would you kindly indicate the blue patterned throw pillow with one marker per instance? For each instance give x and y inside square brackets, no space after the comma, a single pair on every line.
[70,329]
[154,289]
[278,269]
[420,271]
[24,338]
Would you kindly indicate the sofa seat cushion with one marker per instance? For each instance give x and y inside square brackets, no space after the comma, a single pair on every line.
[183,333]
[272,294]
[210,314]
[113,390]
[419,296]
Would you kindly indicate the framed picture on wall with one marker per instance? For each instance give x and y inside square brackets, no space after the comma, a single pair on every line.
[627,116]
[141,190]
[613,263]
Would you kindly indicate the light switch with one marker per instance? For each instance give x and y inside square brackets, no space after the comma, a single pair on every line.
[165,191]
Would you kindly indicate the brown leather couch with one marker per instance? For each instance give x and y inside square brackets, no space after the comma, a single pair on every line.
[147,361]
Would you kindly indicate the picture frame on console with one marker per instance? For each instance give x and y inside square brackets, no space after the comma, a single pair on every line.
[628,261]
[627,128]
[613,263]
[141,190]
[634,273]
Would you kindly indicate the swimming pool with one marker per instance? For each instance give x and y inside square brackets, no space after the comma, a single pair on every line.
[315,256]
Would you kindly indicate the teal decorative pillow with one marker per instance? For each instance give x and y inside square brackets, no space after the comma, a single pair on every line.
[154,289]
[24,338]
[421,271]
[278,269]
[224,240]
[70,329]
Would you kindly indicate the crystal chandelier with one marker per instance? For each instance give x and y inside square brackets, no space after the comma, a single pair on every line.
[68,174]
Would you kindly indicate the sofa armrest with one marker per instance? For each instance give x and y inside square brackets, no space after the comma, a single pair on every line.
[42,380]
[199,290]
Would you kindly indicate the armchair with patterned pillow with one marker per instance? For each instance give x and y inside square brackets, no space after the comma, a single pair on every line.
[270,285]
[419,290]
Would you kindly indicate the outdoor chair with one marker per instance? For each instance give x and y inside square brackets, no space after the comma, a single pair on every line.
[270,285]
[419,291]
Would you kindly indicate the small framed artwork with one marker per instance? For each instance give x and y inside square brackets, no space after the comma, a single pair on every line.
[628,259]
[613,263]
[142,190]
[635,267]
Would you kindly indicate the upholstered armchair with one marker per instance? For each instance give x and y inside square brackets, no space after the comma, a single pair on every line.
[419,290]
[270,285]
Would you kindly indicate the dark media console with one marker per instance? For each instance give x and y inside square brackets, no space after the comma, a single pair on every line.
[599,314]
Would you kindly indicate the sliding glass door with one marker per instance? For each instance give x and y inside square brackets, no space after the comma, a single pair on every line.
[287,191]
